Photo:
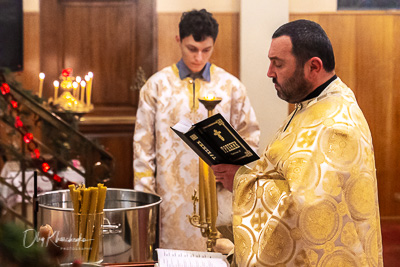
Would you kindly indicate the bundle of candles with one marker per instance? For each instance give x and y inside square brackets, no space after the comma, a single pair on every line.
[80,98]
[88,204]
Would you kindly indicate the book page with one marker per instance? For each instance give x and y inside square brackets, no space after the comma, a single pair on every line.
[174,258]
[183,125]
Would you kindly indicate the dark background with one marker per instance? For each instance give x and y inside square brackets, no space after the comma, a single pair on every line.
[11,34]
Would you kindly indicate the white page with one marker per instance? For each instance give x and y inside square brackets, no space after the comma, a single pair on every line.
[175,258]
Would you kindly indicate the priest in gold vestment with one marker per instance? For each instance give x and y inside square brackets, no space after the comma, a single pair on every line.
[311,200]
[163,163]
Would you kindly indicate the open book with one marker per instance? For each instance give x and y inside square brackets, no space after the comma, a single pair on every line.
[215,141]
[174,258]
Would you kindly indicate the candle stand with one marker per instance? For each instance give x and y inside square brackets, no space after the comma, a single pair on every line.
[206,217]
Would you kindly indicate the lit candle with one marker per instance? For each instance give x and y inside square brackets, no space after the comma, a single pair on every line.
[75,88]
[78,79]
[210,97]
[83,85]
[56,85]
[41,78]
[89,88]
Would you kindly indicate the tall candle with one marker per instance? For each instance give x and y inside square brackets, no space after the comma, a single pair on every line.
[214,201]
[87,79]
[75,89]
[56,85]
[41,78]
[78,79]
[202,197]
[83,85]
[89,89]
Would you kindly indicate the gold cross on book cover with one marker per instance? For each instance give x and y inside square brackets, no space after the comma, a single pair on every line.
[215,141]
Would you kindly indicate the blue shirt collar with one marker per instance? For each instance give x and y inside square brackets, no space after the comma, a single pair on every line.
[185,72]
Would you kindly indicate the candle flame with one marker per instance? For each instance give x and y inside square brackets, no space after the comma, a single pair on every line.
[56,83]
[83,83]
[78,79]
[87,78]
[41,75]
[90,74]
[75,85]
[209,97]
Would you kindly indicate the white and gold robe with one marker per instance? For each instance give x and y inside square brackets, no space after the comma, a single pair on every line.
[311,200]
[164,164]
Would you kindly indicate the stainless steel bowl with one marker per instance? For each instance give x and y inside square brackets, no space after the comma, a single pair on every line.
[131,223]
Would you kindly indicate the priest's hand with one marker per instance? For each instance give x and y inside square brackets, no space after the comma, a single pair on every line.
[224,173]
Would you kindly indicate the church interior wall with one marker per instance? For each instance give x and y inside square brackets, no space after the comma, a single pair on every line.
[365,61]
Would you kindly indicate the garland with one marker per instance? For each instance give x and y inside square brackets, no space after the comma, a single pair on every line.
[31,144]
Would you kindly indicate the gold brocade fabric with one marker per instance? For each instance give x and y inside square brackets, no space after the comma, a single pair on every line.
[311,200]
[164,164]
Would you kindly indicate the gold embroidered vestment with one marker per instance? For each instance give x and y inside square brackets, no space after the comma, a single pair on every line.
[311,200]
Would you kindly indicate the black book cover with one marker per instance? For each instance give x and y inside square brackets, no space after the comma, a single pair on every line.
[215,141]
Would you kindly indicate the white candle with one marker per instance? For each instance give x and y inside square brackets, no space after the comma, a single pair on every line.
[56,85]
[41,78]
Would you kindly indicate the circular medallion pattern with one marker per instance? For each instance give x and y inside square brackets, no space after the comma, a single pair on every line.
[276,244]
[340,258]
[280,147]
[358,117]
[320,222]
[340,145]
[273,191]
[359,193]
[372,247]
[244,242]
[301,171]
[245,195]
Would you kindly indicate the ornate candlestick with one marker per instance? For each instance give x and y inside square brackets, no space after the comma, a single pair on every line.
[206,218]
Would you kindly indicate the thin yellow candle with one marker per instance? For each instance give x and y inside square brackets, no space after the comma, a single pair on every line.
[75,88]
[78,79]
[56,85]
[83,85]
[214,202]
[89,89]
[207,197]
[41,78]
[202,197]
[87,79]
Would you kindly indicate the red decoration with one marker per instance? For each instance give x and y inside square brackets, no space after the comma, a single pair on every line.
[28,137]
[66,72]
[35,154]
[18,122]
[5,88]
[14,104]
[45,167]
[56,178]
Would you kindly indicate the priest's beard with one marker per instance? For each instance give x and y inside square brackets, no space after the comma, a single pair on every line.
[295,88]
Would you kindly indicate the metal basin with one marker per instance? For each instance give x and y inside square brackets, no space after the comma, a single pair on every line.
[131,223]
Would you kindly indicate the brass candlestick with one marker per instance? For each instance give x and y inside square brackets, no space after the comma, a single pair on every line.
[210,104]
[206,218]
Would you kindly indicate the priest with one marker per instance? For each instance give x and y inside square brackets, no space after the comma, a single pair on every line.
[311,200]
